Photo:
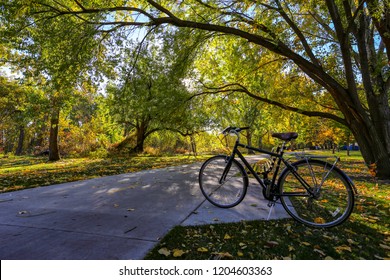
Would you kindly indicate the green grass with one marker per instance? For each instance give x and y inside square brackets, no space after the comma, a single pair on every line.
[366,235]
[23,172]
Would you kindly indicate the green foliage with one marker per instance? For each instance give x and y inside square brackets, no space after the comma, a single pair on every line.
[22,109]
[150,94]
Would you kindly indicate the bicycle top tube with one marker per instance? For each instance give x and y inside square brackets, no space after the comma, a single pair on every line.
[287,136]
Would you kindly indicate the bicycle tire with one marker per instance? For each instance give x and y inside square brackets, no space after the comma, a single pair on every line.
[224,194]
[334,199]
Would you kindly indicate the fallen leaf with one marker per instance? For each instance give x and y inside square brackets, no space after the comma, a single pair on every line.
[178,253]
[305,243]
[328,258]
[240,254]
[359,208]
[164,251]
[203,250]
[327,237]
[350,231]
[384,246]
[320,252]
[227,236]
[272,243]
[130,209]
[343,248]
[319,220]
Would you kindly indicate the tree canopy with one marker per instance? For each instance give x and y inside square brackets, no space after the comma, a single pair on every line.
[331,54]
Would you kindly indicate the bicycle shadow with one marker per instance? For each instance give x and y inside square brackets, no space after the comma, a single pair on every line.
[253,207]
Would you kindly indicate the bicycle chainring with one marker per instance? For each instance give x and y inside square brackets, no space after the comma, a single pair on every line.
[271,192]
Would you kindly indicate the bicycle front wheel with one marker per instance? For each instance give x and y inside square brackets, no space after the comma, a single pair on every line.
[222,185]
[329,200]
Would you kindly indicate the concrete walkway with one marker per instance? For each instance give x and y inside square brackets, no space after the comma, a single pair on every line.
[114,217]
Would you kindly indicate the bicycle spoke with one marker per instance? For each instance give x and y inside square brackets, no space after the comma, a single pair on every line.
[231,190]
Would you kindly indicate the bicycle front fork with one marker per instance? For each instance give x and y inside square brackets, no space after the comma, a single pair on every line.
[225,172]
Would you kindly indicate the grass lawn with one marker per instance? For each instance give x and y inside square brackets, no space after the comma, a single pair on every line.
[23,172]
[366,235]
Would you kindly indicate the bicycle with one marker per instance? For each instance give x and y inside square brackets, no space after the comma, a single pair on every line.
[311,190]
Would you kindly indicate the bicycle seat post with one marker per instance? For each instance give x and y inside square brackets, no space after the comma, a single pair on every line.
[282,148]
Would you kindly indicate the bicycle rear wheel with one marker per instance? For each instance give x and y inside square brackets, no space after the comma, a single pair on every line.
[332,198]
[223,190]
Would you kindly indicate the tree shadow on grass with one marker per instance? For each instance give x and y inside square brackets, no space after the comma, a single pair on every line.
[63,172]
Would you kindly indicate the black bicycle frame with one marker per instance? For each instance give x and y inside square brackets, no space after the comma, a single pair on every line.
[280,159]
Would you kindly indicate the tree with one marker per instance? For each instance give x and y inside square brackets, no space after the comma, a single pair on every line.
[150,95]
[21,115]
[57,65]
[341,45]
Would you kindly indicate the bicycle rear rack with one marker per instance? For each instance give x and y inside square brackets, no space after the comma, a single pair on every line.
[311,156]
[307,157]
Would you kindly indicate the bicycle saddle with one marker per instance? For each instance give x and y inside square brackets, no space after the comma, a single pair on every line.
[287,136]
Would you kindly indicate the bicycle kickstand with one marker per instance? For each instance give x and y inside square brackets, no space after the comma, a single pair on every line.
[271,205]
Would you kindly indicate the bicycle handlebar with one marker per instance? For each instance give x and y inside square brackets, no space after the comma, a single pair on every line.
[235,130]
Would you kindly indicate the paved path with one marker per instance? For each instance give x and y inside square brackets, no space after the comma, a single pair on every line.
[113,217]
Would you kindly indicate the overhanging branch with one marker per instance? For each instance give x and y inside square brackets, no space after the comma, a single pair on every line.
[236,87]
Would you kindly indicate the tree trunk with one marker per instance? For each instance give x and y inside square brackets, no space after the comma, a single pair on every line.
[1,139]
[19,149]
[193,145]
[40,139]
[54,152]
[140,138]
[373,145]
[249,140]
[139,146]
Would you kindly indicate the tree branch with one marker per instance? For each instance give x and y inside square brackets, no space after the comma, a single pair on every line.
[84,10]
[236,87]
[299,33]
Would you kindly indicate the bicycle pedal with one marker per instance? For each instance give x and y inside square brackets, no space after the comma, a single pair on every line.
[271,203]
